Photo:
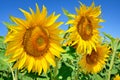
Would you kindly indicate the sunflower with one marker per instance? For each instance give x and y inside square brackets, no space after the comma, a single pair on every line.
[84,30]
[117,77]
[94,62]
[34,42]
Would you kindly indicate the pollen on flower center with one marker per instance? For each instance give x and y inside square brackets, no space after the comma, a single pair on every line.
[85,28]
[35,41]
[40,41]
[92,58]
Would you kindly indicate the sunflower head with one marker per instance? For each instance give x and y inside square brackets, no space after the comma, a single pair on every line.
[94,62]
[33,43]
[84,30]
[117,77]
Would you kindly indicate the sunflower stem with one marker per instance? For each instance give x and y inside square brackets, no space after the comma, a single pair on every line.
[77,69]
[53,76]
[12,72]
[114,45]
[77,73]
[16,74]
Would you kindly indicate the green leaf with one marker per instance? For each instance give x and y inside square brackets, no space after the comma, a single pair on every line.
[114,71]
[1,38]
[2,45]
[8,25]
[64,72]
[5,70]
[109,36]
[98,77]
[69,78]
[33,75]
[23,77]
[67,13]
[118,48]
[115,44]
[70,53]
[3,61]
[84,76]
[1,79]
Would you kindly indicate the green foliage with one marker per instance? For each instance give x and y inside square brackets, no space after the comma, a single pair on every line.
[109,36]
[67,66]
[5,73]
[67,13]
[31,76]
[8,25]
[64,72]
[96,76]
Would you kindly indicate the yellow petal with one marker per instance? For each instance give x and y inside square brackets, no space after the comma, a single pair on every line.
[15,28]
[50,59]
[79,48]
[17,52]
[77,10]
[71,29]
[93,4]
[18,61]
[55,25]
[44,64]
[93,45]
[89,48]
[12,37]
[70,22]
[22,61]
[44,12]
[32,12]
[54,52]
[55,37]
[26,14]
[16,56]
[37,9]
[30,63]
[74,42]
[72,15]
[35,66]
[19,21]
[101,20]
[12,47]
[39,68]
[51,19]
[57,47]
[85,47]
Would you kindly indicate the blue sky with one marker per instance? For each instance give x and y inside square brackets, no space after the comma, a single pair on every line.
[110,12]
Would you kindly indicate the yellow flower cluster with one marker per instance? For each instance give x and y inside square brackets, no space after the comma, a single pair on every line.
[84,35]
[117,77]
[34,42]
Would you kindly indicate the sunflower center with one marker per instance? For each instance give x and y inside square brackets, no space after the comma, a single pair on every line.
[85,28]
[92,58]
[35,41]
[40,41]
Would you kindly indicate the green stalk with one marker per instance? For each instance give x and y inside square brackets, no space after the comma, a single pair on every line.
[12,72]
[53,72]
[16,74]
[56,68]
[113,57]
[111,65]
[77,69]
[77,73]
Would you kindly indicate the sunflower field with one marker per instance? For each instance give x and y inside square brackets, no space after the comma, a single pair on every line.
[35,48]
